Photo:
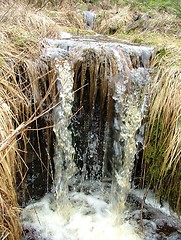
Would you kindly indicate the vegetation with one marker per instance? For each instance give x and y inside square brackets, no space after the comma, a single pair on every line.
[170,6]
[161,161]
[24,25]
[20,74]
[16,115]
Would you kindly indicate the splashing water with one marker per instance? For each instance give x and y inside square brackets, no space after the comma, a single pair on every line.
[101,93]
[86,216]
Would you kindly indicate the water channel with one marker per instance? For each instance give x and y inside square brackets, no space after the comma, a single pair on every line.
[103,86]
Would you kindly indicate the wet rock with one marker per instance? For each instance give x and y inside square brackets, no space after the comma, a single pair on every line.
[166,227]
[31,234]
[155,224]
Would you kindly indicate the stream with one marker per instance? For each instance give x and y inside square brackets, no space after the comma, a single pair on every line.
[103,97]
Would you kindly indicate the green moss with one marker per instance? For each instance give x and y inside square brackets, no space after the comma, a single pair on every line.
[154,152]
[161,52]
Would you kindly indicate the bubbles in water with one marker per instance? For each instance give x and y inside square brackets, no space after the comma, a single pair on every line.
[87,217]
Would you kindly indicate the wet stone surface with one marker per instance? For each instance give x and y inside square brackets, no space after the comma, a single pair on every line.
[155,224]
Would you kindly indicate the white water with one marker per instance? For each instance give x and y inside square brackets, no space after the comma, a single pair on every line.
[87,216]
[89,18]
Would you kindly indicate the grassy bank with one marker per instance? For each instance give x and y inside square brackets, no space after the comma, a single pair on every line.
[161,160]
[22,30]
[24,25]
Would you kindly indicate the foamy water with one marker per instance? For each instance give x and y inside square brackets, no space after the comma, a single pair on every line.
[85,216]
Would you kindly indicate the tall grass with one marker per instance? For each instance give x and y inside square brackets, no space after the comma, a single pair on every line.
[162,152]
[11,97]
[27,93]
[9,218]
[27,87]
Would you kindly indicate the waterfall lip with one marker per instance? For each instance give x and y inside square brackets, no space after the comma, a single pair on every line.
[94,41]
[59,47]
[92,38]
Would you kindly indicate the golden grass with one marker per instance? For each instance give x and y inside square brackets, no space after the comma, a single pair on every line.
[156,23]
[27,93]
[162,161]
[22,74]
[19,89]
[9,218]
[165,23]
[108,20]
[24,28]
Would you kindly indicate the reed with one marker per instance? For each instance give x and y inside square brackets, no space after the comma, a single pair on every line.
[9,218]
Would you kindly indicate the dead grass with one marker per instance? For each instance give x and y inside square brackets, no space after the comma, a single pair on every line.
[9,218]
[27,93]
[21,104]
[164,23]
[157,23]
[161,161]
[22,74]
[109,22]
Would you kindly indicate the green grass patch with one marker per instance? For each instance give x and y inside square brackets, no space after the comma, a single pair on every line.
[172,6]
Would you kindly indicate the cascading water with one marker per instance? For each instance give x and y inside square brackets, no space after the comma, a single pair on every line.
[101,87]
[89,18]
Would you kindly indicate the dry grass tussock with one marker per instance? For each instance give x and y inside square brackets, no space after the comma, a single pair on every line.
[164,23]
[24,27]
[22,75]
[27,87]
[162,162]
[9,97]
[9,219]
[110,22]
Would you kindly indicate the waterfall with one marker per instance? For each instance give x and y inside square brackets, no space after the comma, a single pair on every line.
[89,18]
[101,91]
[64,150]
[107,81]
